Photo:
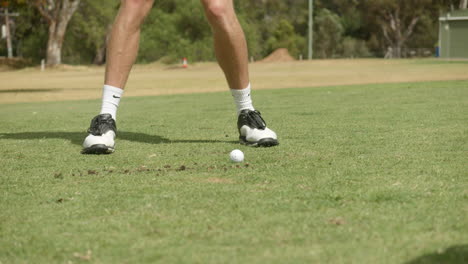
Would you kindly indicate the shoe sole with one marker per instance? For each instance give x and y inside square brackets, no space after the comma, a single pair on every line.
[98,149]
[264,142]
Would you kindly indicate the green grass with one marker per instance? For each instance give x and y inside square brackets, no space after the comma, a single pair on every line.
[363,174]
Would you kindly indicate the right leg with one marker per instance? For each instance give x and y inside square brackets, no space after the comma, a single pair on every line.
[123,45]
[121,54]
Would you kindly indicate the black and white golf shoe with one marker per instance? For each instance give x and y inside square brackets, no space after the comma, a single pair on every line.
[253,130]
[101,136]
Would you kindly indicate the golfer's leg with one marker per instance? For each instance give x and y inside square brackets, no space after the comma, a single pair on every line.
[231,52]
[122,51]
[121,54]
[229,42]
[123,45]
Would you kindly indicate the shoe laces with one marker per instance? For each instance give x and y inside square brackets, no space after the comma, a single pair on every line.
[255,120]
[100,125]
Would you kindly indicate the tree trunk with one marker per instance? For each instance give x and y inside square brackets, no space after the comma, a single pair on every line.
[397,50]
[394,32]
[54,44]
[100,57]
[57,13]
[463,4]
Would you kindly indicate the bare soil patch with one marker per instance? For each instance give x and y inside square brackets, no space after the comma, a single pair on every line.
[279,55]
[84,83]
[219,180]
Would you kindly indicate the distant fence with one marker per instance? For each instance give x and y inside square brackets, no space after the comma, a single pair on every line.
[418,52]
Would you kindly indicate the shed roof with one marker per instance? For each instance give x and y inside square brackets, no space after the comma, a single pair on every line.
[455,15]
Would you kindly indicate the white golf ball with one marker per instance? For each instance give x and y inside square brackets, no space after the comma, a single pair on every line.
[236,155]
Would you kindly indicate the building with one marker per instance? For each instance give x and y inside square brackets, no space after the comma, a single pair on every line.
[453,35]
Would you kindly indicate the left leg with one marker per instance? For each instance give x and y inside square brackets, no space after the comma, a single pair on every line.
[231,51]
[229,42]
[121,54]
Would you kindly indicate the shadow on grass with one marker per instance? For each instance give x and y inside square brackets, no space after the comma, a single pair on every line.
[30,90]
[78,137]
[452,255]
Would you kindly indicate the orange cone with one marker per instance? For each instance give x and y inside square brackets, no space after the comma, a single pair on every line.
[184,63]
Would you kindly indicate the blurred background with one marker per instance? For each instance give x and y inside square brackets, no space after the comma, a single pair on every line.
[75,31]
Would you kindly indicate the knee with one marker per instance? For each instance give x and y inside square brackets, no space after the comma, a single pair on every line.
[137,4]
[136,10]
[217,9]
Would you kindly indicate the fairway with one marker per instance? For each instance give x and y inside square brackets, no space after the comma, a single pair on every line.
[373,173]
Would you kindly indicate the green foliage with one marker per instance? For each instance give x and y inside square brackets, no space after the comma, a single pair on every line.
[159,34]
[424,33]
[177,28]
[265,19]
[29,31]
[328,33]
[352,48]
[284,36]
[175,33]
[378,17]
[88,30]
[252,32]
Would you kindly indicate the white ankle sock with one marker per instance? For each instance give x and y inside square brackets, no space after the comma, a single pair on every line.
[110,100]
[242,99]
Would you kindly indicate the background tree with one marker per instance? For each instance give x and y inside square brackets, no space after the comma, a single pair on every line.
[29,34]
[328,34]
[90,28]
[463,4]
[284,36]
[265,19]
[178,28]
[57,14]
[397,20]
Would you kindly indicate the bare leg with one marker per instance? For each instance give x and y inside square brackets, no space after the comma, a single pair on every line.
[124,41]
[231,52]
[121,54]
[229,42]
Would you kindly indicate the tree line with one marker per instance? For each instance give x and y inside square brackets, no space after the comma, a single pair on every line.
[76,31]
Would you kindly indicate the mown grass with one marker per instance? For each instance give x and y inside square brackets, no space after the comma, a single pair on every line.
[363,174]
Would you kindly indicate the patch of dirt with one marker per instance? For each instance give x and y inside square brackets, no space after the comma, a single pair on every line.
[85,83]
[85,257]
[5,68]
[279,55]
[142,168]
[337,221]
[218,180]
[92,172]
